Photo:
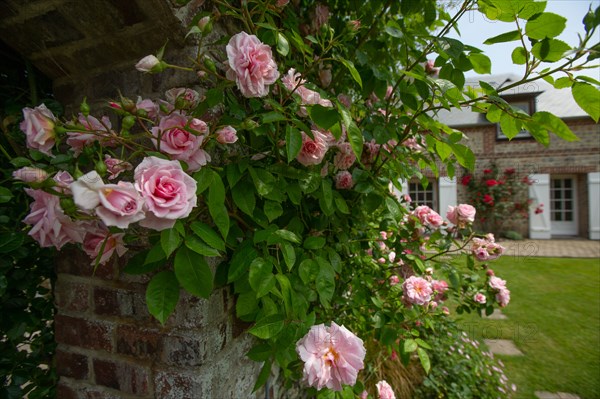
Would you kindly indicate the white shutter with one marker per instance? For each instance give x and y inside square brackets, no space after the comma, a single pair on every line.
[539,192]
[593,180]
[448,196]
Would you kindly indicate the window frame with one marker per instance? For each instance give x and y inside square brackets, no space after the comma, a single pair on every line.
[523,134]
[432,186]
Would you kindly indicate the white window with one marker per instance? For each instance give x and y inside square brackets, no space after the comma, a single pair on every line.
[423,195]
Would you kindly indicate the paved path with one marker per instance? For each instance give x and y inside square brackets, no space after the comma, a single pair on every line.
[567,248]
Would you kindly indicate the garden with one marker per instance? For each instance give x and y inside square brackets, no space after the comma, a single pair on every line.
[275,174]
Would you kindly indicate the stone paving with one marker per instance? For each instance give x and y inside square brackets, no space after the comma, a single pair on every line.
[557,395]
[565,248]
[503,347]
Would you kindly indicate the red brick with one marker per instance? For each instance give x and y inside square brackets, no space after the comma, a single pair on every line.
[64,391]
[120,303]
[76,262]
[138,341]
[71,296]
[125,377]
[83,333]
[71,365]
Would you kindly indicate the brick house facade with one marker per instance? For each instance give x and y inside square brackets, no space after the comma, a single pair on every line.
[566,175]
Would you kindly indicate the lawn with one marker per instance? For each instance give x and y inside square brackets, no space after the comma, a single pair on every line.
[554,319]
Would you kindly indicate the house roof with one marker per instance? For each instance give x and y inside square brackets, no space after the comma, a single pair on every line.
[560,102]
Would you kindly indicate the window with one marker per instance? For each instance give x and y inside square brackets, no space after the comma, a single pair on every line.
[527,105]
[421,195]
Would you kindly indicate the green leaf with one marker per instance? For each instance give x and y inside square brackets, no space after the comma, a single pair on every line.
[273,210]
[137,265]
[289,254]
[442,149]
[216,205]
[204,177]
[193,273]
[272,116]
[519,56]
[263,181]
[10,241]
[308,270]
[208,235]
[550,50]
[155,254]
[240,261]
[283,46]
[293,142]
[288,236]
[324,117]
[588,98]
[410,345]
[504,37]
[424,358]
[313,242]
[260,352]
[263,376]
[353,71]
[197,245]
[509,126]
[325,282]
[545,25]
[261,277]
[170,240]
[5,195]
[481,63]
[355,138]
[464,155]
[267,327]
[341,204]
[555,125]
[243,196]
[392,207]
[162,295]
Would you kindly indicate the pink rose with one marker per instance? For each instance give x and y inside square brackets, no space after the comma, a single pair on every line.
[120,205]
[371,150]
[394,280]
[97,130]
[343,180]
[169,193]
[63,180]
[38,126]
[147,105]
[384,390]
[497,283]
[292,82]
[100,239]
[85,190]
[147,63]
[439,286]
[503,297]
[183,98]
[115,166]
[486,249]
[417,290]
[461,215]
[428,217]
[50,226]
[480,298]
[227,135]
[179,143]
[30,175]
[313,150]
[345,158]
[332,356]
[252,65]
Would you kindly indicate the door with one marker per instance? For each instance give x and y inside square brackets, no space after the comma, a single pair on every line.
[563,205]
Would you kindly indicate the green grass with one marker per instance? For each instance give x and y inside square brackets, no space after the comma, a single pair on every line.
[554,319]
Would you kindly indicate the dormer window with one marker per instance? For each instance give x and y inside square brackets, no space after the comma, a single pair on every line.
[526,104]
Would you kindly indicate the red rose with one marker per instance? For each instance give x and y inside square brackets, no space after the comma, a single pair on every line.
[466,180]
[491,182]
[487,171]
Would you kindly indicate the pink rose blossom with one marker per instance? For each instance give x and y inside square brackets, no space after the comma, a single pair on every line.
[461,215]
[332,356]
[227,135]
[179,143]
[313,150]
[252,65]
[343,180]
[38,126]
[115,166]
[345,99]
[149,106]
[345,157]
[417,290]
[364,395]
[50,226]
[439,286]
[486,249]
[445,310]
[85,190]
[169,193]
[120,205]
[96,239]
[371,150]
[412,144]
[503,297]
[147,63]
[63,181]
[384,390]
[292,82]
[96,130]
[183,97]
[480,298]
[394,280]
[30,175]
[428,217]
[497,283]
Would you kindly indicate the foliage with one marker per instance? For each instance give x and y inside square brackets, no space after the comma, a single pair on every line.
[26,270]
[300,207]
[461,368]
[500,197]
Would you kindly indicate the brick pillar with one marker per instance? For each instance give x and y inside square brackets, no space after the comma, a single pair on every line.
[110,347]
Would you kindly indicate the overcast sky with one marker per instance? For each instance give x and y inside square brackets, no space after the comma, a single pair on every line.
[475,29]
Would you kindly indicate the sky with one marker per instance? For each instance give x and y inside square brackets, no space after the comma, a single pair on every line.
[475,29]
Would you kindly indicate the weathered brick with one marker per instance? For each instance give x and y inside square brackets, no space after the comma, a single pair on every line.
[120,302]
[76,262]
[138,341]
[64,391]
[83,333]
[71,296]
[125,377]
[71,365]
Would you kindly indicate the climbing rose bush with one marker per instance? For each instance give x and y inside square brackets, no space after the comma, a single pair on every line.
[282,163]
